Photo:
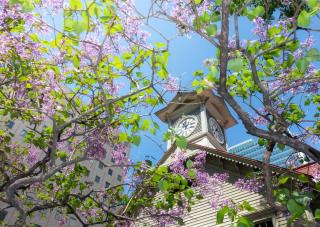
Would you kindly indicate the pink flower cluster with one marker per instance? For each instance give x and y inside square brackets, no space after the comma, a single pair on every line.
[33,155]
[207,185]
[96,141]
[316,175]
[182,10]
[63,221]
[260,29]
[131,32]
[250,185]
[53,4]
[171,84]
[16,42]
[119,153]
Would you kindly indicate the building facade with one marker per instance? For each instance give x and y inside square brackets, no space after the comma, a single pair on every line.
[203,119]
[251,149]
[99,176]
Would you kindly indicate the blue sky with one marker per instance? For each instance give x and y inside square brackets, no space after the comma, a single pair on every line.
[187,55]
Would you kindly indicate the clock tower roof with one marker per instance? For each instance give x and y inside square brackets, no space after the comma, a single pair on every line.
[213,103]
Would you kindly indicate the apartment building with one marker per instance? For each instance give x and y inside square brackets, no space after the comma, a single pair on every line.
[100,176]
[251,149]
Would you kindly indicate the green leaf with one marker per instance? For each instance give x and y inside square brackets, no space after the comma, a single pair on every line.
[189,193]
[163,185]
[313,55]
[197,2]
[62,155]
[181,142]
[145,124]
[283,180]
[312,3]
[235,64]
[256,12]
[212,30]
[159,45]
[75,4]
[221,213]
[304,19]
[136,140]
[189,164]
[199,73]
[162,170]
[117,63]
[261,142]
[163,73]
[246,205]
[123,137]
[281,146]
[76,61]
[166,136]
[295,209]
[192,173]
[317,214]
[303,178]
[302,64]
[245,222]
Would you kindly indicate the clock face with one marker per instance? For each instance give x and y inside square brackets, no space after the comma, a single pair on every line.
[186,125]
[216,130]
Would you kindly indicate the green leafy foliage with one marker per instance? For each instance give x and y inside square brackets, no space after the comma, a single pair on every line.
[221,213]
[212,30]
[235,64]
[317,214]
[256,12]
[304,19]
[181,142]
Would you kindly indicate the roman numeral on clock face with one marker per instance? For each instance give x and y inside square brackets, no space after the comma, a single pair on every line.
[186,126]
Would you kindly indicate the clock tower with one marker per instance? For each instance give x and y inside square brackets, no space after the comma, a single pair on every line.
[201,118]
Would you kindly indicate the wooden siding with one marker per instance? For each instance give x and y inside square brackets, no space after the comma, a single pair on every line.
[203,215]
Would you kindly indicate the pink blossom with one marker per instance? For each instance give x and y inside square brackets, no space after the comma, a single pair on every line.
[208,62]
[316,175]
[220,178]
[177,166]
[171,84]
[308,43]
[250,185]
[298,54]
[119,153]
[232,42]
[33,156]
[260,29]
[63,221]
[259,120]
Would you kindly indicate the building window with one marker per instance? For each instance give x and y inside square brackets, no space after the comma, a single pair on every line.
[97,179]
[110,172]
[23,133]
[264,223]
[119,177]
[107,184]
[101,165]
[10,124]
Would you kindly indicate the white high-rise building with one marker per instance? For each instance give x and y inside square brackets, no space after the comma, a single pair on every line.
[100,176]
